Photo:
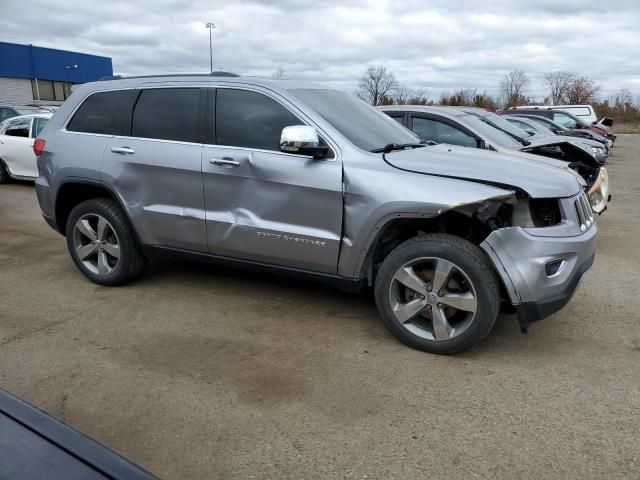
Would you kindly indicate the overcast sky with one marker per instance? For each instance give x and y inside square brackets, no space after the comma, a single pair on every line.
[438,45]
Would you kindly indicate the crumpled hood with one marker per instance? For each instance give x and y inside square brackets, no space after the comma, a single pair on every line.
[567,138]
[540,177]
[572,148]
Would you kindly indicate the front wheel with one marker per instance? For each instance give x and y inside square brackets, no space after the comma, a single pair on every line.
[438,293]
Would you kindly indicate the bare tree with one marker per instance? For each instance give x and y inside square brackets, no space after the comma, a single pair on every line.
[512,86]
[581,90]
[405,95]
[623,98]
[376,85]
[558,83]
[278,74]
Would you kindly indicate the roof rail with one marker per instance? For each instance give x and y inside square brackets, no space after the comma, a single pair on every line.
[212,74]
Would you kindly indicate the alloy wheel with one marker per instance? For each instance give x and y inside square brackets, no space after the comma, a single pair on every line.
[433,298]
[96,244]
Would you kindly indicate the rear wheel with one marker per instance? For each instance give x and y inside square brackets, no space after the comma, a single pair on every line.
[438,293]
[101,243]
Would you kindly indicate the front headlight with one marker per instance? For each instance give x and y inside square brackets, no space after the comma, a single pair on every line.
[599,191]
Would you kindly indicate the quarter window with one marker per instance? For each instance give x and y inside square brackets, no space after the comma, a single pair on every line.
[38,125]
[105,113]
[250,120]
[429,129]
[167,114]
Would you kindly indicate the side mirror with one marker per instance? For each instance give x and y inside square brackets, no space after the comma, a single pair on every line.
[303,140]
[531,132]
[481,143]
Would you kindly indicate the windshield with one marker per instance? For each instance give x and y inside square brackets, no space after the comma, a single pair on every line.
[547,123]
[360,123]
[489,134]
[499,122]
[528,124]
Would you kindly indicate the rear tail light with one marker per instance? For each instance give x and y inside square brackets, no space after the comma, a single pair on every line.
[38,146]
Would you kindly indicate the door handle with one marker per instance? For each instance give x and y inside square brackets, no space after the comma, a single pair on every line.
[224,161]
[123,150]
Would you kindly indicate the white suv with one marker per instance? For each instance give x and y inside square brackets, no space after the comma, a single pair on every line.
[17,159]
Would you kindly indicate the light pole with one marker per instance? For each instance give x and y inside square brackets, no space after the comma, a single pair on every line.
[210,26]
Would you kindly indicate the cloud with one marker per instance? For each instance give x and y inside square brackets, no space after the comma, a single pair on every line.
[439,45]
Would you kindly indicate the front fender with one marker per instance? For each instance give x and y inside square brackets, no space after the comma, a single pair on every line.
[372,200]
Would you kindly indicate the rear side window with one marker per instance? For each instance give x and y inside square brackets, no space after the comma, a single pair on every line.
[105,112]
[251,120]
[398,118]
[168,114]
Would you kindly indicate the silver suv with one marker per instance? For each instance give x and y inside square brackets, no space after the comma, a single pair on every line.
[298,178]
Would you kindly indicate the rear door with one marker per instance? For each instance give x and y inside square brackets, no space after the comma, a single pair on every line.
[156,170]
[261,204]
[16,148]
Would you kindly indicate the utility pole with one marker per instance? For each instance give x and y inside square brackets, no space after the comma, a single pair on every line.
[210,26]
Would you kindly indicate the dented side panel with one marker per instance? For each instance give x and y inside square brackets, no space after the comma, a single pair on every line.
[273,207]
[370,203]
[162,187]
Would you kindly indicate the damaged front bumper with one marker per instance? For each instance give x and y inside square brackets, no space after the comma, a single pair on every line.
[540,273]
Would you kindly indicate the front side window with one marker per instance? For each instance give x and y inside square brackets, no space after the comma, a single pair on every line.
[18,128]
[250,120]
[564,120]
[167,114]
[361,124]
[105,113]
[435,131]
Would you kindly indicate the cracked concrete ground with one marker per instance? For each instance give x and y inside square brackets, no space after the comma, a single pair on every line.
[200,372]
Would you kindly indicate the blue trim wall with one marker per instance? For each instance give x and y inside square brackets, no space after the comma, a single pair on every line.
[27,61]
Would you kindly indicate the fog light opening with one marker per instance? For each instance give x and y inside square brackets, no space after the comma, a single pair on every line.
[553,267]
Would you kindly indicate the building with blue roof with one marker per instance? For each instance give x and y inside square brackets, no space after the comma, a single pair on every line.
[38,75]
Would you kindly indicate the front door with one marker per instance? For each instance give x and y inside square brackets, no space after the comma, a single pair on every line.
[261,204]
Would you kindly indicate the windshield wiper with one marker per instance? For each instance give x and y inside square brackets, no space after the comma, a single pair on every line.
[390,147]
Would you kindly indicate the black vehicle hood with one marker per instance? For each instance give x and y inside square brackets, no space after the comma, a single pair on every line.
[540,177]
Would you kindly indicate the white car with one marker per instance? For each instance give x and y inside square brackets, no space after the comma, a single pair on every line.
[586,113]
[17,159]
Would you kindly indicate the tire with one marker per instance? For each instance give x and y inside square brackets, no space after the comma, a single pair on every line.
[99,246]
[4,173]
[471,285]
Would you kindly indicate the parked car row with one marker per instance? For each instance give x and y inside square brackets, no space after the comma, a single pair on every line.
[567,120]
[297,178]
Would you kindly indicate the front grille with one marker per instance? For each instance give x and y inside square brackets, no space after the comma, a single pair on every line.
[583,209]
